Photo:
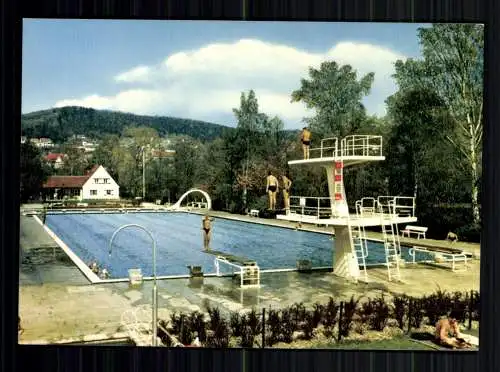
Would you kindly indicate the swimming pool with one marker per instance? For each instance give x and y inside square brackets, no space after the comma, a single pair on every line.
[179,242]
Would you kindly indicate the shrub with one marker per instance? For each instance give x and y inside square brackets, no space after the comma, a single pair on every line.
[288,326]
[476,306]
[198,324]
[236,324]
[459,306]
[381,313]
[220,336]
[350,308]
[298,311]
[215,318]
[308,325]
[400,309]
[318,313]
[176,323]
[436,305]
[254,322]
[416,313]
[185,334]
[330,317]
[247,337]
[273,326]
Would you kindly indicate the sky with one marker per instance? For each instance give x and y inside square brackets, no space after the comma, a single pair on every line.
[198,69]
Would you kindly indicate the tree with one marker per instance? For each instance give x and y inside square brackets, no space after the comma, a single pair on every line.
[453,68]
[33,172]
[335,93]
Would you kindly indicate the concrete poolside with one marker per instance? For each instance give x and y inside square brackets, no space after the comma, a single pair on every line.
[58,303]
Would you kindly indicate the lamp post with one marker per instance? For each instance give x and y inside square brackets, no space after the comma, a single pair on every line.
[143,174]
[155,291]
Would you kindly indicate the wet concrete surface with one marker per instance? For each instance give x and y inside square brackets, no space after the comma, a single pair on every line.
[57,302]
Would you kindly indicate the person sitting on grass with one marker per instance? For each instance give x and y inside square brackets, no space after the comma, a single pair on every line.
[448,333]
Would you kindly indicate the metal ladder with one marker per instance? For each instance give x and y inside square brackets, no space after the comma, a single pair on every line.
[391,240]
[359,243]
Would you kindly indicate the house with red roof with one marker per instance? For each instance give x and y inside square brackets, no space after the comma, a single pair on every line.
[97,184]
[55,159]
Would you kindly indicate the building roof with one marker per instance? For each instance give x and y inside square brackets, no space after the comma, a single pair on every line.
[54,156]
[61,182]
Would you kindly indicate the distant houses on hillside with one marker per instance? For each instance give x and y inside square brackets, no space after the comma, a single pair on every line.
[56,160]
[41,143]
[97,184]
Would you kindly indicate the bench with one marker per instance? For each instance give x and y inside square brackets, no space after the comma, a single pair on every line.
[254,213]
[418,230]
[451,255]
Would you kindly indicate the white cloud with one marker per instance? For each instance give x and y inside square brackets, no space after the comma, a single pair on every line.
[207,82]
[138,74]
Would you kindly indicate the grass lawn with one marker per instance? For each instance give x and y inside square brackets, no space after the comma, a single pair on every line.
[398,343]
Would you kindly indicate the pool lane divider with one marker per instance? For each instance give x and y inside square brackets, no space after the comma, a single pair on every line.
[93,278]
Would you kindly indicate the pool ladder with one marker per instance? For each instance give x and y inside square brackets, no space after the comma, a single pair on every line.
[359,242]
[391,240]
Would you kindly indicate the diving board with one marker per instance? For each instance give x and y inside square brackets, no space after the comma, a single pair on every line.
[247,269]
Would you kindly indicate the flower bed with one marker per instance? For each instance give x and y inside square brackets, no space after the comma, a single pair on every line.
[301,327]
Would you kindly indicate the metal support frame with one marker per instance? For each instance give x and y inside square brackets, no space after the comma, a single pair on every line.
[155,290]
[454,258]
[242,271]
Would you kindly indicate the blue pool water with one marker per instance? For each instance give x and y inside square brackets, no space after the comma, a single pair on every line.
[180,242]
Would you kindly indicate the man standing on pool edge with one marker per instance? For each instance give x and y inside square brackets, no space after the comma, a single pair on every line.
[271,189]
[206,226]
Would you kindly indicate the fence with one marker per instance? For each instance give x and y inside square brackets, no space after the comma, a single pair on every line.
[335,320]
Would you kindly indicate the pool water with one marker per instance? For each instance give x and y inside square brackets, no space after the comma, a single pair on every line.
[179,242]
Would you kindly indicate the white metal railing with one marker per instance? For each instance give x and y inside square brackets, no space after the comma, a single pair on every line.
[398,205]
[361,145]
[328,148]
[366,206]
[354,145]
[312,206]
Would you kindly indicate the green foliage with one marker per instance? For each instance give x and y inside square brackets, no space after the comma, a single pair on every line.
[33,172]
[335,93]
[62,123]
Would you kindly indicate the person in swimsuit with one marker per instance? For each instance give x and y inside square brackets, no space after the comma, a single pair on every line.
[207,233]
[452,237]
[305,138]
[448,334]
[287,184]
[271,189]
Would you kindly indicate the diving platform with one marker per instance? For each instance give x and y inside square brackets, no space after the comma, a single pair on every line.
[365,221]
[245,268]
[350,239]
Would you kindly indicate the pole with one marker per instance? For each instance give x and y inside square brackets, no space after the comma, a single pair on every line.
[143,175]
[154,310]
[263,327]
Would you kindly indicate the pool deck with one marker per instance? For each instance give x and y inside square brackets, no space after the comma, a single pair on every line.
[58,303]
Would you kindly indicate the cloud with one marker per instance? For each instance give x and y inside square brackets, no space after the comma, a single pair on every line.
[206,83]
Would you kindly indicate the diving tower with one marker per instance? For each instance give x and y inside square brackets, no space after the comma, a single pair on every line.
[385,211]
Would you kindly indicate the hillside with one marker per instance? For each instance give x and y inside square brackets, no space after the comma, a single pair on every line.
[61,123]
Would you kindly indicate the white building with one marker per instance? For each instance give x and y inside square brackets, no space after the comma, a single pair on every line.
[97,184]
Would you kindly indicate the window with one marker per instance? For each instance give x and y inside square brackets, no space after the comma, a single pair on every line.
[109,192]
[93,192]
[96,180]
[106,180]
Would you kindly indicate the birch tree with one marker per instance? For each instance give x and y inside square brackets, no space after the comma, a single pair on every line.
[452,66]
